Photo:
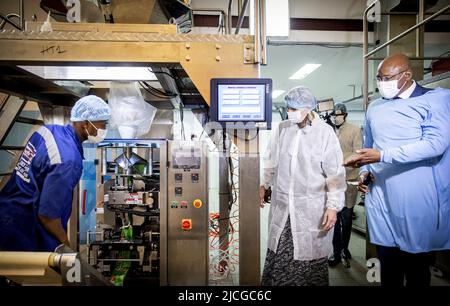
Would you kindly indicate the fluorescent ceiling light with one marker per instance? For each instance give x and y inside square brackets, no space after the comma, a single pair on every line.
[276,93]
[304,71]
[92,73]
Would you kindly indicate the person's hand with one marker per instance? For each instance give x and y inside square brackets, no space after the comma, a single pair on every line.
[362,181]
[63,248]
[363,157]
[329,219]
[262,192]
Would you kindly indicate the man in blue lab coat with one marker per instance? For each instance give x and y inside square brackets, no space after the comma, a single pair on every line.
[407,158]
[36,203]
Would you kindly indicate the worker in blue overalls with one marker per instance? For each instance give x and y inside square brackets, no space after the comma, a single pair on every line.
[36,203]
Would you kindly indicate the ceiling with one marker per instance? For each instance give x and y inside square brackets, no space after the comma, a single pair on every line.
[338,77]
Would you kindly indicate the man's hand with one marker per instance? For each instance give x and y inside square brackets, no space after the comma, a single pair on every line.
[363,157]
[329,219]
[262,192]
[364,179]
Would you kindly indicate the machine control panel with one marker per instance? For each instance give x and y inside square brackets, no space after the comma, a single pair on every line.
[197,203]
[194,177]
[178,177]
[178,191]
[186,224]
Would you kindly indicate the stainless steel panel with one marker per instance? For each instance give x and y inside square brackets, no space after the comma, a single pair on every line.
[249,220]
[163,205]
[187,250]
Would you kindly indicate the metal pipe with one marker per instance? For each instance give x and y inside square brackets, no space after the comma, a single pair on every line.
[263,33]
[241,16]
[365,61]
[257,33]
[401,35]
[230,17]
[22,15]
[6,19]
[420,31]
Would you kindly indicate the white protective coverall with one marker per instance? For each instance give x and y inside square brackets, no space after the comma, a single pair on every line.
[304,168]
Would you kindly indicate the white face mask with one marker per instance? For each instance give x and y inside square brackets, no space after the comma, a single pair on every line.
[101,134]
[389,89]
[297,116]
[339,120]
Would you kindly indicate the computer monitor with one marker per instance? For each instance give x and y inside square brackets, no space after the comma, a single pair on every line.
[247,101]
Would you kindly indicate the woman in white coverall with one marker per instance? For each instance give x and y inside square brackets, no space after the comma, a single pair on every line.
[303,165]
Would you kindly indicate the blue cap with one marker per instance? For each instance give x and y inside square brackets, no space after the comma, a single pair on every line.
[340,108]
[90,108]
[300,98]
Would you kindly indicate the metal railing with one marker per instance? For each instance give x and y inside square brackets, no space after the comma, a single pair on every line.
[6,18]
[367,55]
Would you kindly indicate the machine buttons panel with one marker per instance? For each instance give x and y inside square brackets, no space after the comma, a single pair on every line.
[184,204]
[194,177]
[178,191]
[178,177]
[186,224]
[197,203]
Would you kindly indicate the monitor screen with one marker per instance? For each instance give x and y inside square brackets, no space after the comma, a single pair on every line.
[242,100]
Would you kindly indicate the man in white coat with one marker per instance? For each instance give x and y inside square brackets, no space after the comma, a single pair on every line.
[303,166]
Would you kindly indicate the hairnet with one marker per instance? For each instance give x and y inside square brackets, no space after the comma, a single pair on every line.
[90,108]
[300,98]
[340,107]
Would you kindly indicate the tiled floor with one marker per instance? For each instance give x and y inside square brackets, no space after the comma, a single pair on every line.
[356,274]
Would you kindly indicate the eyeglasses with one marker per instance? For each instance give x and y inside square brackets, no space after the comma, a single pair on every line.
[387,78]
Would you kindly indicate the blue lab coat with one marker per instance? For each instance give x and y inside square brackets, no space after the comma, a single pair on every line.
[42,184]
[408,204]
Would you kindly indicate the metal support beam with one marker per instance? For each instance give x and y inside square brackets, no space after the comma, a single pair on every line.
[257,33]
[202,56]
[249,220]
[12,148]
[241,16]
[420,31]
[263,32]
[29,121]
[230,17]
[403,34]
[10,111]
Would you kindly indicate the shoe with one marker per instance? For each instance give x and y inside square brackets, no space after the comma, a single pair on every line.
[346,263]
[334,261]
[346,254]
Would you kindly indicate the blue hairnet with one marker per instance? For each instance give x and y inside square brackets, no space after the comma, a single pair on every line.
[340,107]
[300,98]
[90,108]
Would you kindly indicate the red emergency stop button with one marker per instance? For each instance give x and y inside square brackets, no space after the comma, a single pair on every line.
[186,224]
[197,203]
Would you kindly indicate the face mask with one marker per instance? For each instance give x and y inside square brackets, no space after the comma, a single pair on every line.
[339,120]
[297,116]
[388,89]
[101,134]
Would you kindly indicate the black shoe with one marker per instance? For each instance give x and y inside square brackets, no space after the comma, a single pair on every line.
[346,254]
[346,263]
[334,261]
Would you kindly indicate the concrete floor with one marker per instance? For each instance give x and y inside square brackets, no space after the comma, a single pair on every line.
[356,274]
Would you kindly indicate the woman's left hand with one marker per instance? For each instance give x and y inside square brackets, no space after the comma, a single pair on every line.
[329,219]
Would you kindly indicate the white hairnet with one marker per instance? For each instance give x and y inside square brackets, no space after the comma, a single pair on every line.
[300,98]
[90,108]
